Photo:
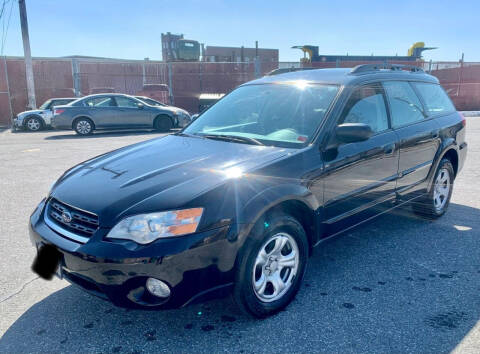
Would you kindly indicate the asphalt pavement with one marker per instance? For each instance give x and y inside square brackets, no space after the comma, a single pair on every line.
[395,284]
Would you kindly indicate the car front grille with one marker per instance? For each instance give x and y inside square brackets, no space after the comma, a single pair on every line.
[74,221]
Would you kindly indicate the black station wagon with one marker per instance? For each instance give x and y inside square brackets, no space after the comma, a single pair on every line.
[236,201]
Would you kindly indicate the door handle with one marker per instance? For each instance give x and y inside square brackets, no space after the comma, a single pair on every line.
[389,149]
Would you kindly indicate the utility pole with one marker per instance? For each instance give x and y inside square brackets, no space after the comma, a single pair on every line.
[32,104]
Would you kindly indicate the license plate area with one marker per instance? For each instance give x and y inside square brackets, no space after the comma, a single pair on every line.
[47,262]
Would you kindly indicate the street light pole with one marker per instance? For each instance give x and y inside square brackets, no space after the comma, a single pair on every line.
[32,104]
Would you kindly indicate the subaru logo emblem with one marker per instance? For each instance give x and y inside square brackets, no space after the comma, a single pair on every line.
[66,217]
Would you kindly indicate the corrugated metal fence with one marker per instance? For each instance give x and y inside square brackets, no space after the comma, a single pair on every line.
[183,82]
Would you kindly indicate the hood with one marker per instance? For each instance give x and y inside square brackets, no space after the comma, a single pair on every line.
[172,169]
[174,110]
[34,111]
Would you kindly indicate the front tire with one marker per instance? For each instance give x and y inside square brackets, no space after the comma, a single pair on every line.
[83,126]
[34,124]
[436,202]
[271,266]
[163,124]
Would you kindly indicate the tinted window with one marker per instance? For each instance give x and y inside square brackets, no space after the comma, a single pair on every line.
[405,106]
[435,98]
[367,105]
[60,102]
[126,102]
[100,102]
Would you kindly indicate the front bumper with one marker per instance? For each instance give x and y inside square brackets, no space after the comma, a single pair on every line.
[196,266]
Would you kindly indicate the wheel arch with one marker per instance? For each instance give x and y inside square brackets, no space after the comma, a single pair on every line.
[161,115]
[449,150]
[296,201]
[76,118]
[42,121]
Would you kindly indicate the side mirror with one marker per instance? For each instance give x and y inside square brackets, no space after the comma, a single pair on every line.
[353,132]
[140,105]
[195,116]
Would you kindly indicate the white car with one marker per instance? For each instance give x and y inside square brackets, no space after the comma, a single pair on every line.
[40,118]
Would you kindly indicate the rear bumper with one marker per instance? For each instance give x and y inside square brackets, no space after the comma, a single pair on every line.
[195,267]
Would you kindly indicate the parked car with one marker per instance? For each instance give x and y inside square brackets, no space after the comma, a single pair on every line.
[117,111]
[238,200]
[39,119]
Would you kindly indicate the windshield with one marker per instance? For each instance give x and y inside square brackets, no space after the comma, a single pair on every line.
[273,114]
[45,104]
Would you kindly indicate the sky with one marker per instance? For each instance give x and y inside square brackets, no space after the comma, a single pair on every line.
[132,29]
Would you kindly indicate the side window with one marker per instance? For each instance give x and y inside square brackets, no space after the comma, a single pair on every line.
[125,102]
[367,105]
[435,98]
[100,102]
[405,106]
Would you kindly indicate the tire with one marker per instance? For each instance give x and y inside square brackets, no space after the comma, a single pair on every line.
[83,126]
[436,202]
[262,298]
[33,124]
[163,124]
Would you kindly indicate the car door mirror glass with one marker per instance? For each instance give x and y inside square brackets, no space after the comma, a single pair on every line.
[353,132]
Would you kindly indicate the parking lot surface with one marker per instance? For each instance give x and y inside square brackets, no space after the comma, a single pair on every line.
[395,284]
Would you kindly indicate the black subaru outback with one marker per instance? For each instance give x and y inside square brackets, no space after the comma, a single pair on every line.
[236,201]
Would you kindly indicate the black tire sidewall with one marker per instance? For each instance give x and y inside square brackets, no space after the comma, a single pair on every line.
[166,126]
[243,292]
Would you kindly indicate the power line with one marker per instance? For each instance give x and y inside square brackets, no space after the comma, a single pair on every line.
[5,29]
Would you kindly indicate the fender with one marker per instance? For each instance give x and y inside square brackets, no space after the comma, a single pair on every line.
[31,116]
[268,199]
[446,145]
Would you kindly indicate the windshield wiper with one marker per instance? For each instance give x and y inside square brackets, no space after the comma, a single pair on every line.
[235,138]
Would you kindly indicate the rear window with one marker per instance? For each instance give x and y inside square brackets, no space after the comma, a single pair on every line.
[435,99]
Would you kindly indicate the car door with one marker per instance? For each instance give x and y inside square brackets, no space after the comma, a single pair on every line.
[131,114]
[419,135]
[361,175]
[102,109]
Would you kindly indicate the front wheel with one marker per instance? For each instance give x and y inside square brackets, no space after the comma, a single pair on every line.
[83,126]
[271,267]
[34,124]
[436,202]
[163,124]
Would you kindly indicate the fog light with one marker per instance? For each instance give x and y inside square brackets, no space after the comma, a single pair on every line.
[158,287]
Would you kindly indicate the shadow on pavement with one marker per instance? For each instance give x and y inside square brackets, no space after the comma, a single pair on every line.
[395,284]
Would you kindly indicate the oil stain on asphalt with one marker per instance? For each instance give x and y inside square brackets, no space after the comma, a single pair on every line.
[446,320]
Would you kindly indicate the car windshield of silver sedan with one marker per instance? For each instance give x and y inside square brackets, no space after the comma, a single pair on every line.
[285,114]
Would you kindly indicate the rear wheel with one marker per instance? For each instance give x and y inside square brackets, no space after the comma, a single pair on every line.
[163,124]
[436,202]
[83,126]
[34,124]
[271,267]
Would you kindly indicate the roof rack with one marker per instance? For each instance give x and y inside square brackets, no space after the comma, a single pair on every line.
[360,69]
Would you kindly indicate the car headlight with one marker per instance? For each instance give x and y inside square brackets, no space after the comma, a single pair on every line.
[146,228]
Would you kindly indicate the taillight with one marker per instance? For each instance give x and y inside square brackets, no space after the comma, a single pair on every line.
[58,111]
[464,120]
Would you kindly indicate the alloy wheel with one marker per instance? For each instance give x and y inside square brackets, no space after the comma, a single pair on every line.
[275,267]
[84,127]
[441,189]
[33,124]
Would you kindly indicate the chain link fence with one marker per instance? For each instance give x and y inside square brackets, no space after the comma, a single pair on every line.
[181,83]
